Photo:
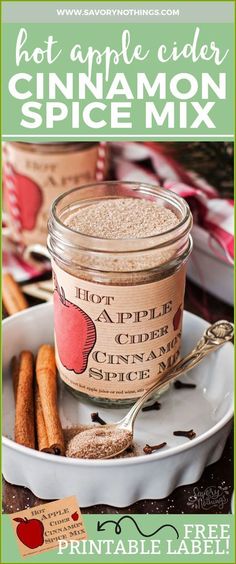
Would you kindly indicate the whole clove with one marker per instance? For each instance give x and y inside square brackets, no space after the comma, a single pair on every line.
[181,385]
[97,419]
[130,449]
[156,406]
[148,449]
[188,434]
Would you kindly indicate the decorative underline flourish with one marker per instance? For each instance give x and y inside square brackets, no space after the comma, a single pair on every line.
[118,530]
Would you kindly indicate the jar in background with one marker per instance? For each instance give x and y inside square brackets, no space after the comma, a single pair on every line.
[118,302]
[35,174]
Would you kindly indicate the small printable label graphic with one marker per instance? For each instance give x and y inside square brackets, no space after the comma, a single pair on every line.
[39,529]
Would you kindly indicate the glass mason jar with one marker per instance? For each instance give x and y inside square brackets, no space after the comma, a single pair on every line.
[37,173]
[118,303]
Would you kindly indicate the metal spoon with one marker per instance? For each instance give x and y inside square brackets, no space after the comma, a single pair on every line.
[214,337]
[117,437]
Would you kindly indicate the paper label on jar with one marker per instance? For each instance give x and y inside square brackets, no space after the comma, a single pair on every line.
[115,341]
[32,180]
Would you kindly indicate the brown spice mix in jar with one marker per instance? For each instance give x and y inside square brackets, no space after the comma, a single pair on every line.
[119,253]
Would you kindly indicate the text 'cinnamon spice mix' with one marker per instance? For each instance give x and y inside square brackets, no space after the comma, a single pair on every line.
[119,252]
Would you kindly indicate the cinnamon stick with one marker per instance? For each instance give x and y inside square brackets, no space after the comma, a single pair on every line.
[12,296]
[24,417]
[47,383]
[15,367]
[42,438]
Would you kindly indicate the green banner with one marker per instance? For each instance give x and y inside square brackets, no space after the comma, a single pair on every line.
[138,538]
[118,81]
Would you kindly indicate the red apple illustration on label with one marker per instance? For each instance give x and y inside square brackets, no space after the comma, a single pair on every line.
[30,532]
[75,516]
[29,199]
[177,318]
[75,332]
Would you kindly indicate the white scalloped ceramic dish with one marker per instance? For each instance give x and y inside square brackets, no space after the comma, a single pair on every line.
[232,503]
[208,409]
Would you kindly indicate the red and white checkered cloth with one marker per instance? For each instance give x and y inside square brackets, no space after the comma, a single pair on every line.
[13,262]
[214,214]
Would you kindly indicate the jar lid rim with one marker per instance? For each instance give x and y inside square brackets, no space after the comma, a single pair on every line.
[151,188]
